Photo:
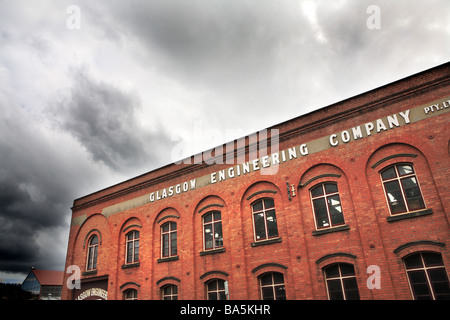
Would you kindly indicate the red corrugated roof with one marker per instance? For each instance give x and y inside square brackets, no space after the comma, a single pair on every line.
[49,277]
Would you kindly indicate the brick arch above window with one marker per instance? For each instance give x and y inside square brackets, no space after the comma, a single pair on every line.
[167,214]
[320,173]
[130,224]
[210,202]
[269,267]
[418,246]
[338,257]
[391,153]
[214,274]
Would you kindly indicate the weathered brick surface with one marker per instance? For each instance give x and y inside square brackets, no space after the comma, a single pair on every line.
[299,254]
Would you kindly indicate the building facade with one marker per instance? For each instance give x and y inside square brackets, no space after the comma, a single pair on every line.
[351,201]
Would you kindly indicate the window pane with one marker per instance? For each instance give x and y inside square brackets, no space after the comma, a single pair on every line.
[432,259]
[272,229]
[267,293]
[217,215]
[347,269]
[278,278]
[334,205]
[332,271]
[257,206]
[280,293]
[413,261]
[395,197]
[222,295]
[218,240]
[208,218]
[208,236]
[268,203]
[173,243]
[136,234]
[331,188]
[166,290]
[220,284]
[173,226]
[165,245]
[389,173]
[212,296]
[404,169]
[439,283]
[320,211]
[412,193]
[335,290]
[136,251]
[317,191]
[351,288]
[419,285]
[94,240]
[266,279]
[212,285]
[165,227]
[260,230]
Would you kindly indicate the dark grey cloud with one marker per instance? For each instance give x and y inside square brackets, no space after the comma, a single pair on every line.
[105,120]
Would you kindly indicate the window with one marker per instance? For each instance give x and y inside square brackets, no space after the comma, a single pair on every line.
[402,189]
[327,205]
[132,247]
[92,253]
[272,286]
[427,276]
[169,239]
[264,219]
[169,292]
[212,230]
[130,294]
[341,282]
[215,289]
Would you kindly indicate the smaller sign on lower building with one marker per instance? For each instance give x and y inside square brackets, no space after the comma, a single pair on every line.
[92,289]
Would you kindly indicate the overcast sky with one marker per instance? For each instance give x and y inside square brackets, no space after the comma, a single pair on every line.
[84,108]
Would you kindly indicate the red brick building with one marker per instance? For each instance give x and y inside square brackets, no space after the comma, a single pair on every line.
[351,201]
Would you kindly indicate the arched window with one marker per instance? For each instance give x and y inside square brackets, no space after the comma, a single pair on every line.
[402,189]
[341,282]
[169,239]
[327,205]
[130,294]
[427,276]
[169,292]
[132,247]
[92,253]
[264,219]
[212,230]
[215,289]
[272,286]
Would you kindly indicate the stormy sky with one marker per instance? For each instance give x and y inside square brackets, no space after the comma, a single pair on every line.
[96,92]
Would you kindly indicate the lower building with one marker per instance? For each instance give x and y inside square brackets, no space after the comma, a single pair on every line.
[351,201]
[44,284]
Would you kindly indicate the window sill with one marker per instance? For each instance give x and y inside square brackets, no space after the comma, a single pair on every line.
[409,215]
[330,230]
[131,265]
[264,242]
[212,251]
[174,258]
